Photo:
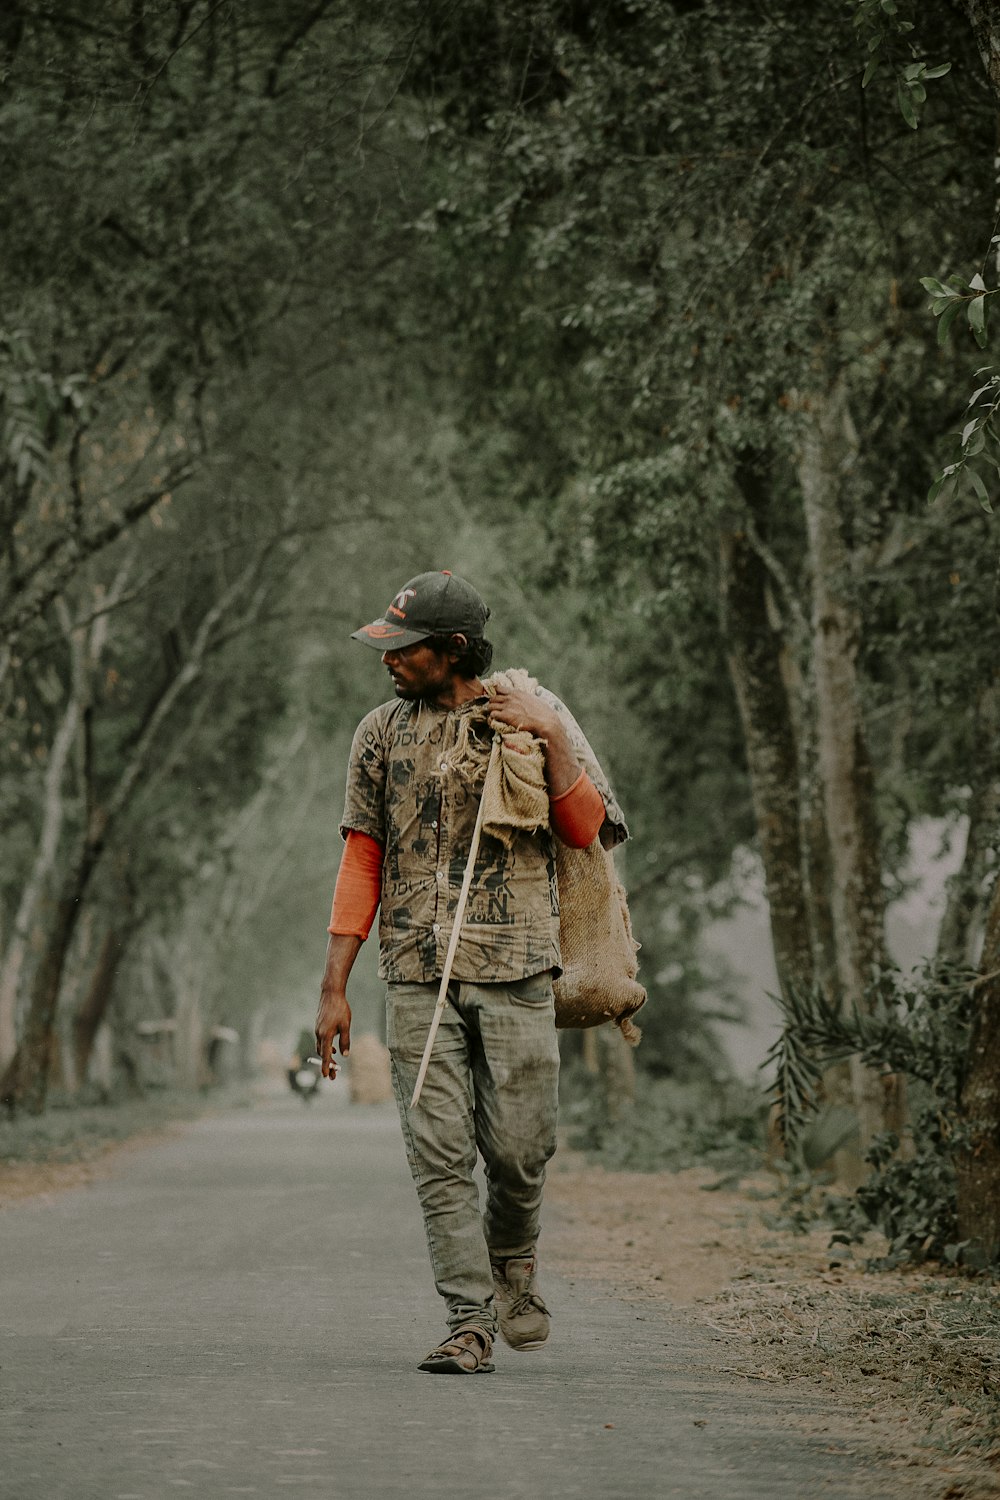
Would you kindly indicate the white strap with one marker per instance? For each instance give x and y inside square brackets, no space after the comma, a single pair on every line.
[463,901]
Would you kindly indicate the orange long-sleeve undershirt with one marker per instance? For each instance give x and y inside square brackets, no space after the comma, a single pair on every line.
[359,886]
[576,816]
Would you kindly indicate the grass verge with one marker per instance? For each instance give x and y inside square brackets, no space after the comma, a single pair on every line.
[61,1148]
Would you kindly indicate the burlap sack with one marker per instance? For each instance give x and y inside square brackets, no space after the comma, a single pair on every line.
[598,982]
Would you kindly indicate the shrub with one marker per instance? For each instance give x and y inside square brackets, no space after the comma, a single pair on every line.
[919,1027]
[668,1125]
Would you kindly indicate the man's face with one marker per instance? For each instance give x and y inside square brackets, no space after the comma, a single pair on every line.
[418,671]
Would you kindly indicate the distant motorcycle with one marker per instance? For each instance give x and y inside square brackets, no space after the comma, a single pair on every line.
[304,1078]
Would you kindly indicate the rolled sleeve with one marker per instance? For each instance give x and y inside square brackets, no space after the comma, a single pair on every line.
[364,802]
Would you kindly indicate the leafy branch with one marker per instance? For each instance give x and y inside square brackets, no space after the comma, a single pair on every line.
[954,300]
[31,403]
[919,1028]
[880,21]
[949,298]
[980,438]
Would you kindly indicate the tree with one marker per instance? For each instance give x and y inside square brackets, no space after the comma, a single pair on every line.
[169,206]
[107,798]
[978,1159]
[664,263]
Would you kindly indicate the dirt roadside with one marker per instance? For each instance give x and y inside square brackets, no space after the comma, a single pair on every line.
[21,1181]
[908,1363]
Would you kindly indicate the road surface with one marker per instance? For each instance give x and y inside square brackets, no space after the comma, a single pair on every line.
[239,1309]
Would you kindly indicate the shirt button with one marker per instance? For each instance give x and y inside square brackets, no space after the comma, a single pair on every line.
[439,875]
[437,927]
[434,824]
[443,766]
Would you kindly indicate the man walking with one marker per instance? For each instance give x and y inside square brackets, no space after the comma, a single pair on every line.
[491,1085]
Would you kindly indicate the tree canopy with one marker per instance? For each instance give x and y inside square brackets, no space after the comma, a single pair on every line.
[622,309]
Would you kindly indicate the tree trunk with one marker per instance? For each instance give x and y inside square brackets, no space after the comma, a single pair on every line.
[857,900]
[978,1164]
[189,1038]
[777,710]
[25,1082]
[753,652]
[961,925]
[86,646]
[985,23]
[34,887]
[95,1003]
[817,876]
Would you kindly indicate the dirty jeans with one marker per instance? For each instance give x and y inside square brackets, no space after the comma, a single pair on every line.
[491,1084]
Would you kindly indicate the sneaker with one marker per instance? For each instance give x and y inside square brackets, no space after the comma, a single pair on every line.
[524,1318]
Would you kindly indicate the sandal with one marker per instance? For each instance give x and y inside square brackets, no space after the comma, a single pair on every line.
[466,1352]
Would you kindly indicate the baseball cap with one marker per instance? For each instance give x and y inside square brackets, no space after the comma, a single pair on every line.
[430,604]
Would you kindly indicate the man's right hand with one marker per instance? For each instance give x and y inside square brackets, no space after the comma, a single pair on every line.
[333,1019]
[333,1024]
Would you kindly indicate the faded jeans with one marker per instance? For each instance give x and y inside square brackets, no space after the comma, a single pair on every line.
[491,1086]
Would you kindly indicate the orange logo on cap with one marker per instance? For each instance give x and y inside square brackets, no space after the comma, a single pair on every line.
[379,632]
[398,605]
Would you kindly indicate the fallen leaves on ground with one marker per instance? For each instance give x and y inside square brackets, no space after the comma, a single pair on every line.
[908,1361]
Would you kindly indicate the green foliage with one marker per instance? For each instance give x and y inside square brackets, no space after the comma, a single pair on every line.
[653,262]
[919,1027]
[951,302]
[910,1198]
[70,1132]
[888,35]
[32,405]
[177,281]
[656,271]
[669,1125]
[165,205]
[916,1025]
[955,297]
[957,301]
[980,433]
[568,268]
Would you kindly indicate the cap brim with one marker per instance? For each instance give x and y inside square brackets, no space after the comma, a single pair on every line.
[383,635]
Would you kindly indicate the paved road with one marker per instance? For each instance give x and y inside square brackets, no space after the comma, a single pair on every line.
[239,1310]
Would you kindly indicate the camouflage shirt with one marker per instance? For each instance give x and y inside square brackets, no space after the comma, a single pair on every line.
[401,791]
